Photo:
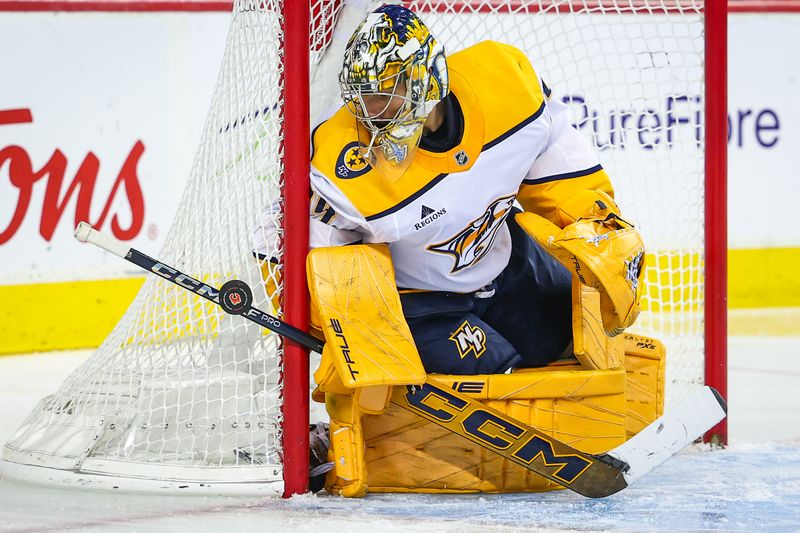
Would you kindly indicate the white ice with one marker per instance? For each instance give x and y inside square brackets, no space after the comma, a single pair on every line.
[753,485]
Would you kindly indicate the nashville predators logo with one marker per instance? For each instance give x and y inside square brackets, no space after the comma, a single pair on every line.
[472,243]
[351,163]
[469,339]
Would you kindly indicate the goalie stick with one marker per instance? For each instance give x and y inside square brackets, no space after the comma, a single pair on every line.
[591,475]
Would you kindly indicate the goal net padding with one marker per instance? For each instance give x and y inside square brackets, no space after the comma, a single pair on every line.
[182,396]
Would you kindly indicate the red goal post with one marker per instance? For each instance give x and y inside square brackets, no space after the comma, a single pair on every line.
[716,205]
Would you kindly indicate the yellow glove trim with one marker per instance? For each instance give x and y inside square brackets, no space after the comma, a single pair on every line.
[586,204]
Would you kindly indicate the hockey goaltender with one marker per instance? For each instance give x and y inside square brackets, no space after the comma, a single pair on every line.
[464,234]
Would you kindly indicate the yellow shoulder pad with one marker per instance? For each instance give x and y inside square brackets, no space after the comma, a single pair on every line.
[503,84]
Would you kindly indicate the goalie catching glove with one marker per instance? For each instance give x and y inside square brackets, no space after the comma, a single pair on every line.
[601,249]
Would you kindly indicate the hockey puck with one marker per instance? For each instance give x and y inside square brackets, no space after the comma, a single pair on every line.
[235,297]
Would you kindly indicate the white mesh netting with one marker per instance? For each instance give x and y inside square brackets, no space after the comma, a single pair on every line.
[182,395]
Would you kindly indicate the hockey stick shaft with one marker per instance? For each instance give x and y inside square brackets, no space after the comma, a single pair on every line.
[85,233]
[589,475]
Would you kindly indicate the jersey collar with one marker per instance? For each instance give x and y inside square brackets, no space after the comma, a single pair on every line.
[462,156]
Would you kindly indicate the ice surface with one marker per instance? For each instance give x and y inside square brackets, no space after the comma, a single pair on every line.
[753,485]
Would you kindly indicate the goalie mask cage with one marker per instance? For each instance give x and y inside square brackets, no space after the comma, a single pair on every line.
[182,396]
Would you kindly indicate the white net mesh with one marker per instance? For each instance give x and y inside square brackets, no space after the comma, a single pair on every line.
[182,395]
[180,391]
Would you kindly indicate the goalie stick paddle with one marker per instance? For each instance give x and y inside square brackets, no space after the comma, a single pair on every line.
[591,475]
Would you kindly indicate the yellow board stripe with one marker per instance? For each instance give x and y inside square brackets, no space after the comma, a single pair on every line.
[71,315]
[764,277]
[62,316]
[757,278]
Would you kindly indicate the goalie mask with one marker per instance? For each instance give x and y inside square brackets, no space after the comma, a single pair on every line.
[394,74]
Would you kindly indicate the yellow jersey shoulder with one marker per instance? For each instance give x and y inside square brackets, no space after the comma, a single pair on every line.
[494,82]
[504,83]
[334,145]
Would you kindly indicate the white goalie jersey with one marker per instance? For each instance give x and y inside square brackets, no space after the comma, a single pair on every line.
[444,220]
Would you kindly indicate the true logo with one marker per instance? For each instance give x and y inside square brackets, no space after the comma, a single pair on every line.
[344,347]
[469,340]
[475,387]
[472,243]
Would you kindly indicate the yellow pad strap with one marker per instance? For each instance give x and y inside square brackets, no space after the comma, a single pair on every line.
[368,341]
[349,475]
[591,345]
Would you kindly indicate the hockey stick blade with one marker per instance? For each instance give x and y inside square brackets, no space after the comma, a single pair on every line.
[589,475]
[594,476]
[669,434]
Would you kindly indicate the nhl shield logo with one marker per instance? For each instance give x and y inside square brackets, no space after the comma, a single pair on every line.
[461,158]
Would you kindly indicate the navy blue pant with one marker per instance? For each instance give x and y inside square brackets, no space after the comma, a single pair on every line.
[522,319]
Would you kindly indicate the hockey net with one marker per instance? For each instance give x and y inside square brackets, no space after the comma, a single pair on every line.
[181,395]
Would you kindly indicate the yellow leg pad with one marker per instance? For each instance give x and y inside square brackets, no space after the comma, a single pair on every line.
[348,477]
[368,349]
[591,345]
[645,361]
[585,409]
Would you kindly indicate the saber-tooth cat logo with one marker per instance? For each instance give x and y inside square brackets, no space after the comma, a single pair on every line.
[473,242]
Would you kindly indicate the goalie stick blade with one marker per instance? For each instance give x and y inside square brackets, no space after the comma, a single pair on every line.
[669,434]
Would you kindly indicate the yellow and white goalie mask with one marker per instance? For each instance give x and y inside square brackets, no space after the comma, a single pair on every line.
[394,74]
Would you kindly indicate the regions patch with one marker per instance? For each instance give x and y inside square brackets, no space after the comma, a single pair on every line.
[469,340]
[351,163]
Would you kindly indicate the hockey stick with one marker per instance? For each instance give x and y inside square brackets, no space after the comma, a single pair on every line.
[594,476]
